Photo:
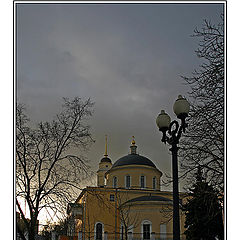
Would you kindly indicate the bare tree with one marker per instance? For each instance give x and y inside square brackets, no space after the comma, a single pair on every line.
[121,208]
[203,144]
[129,219]
[47,170]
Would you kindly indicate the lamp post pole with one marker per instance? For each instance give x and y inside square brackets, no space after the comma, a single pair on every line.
[181,109]
[176,221]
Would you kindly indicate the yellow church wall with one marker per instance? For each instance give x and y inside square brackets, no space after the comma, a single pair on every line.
[135,172]
[97,207]
[156,214]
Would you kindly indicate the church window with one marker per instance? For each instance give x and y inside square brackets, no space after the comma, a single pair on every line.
[146,231]
[99,230]
[142,182]
[112,197]
[115,182]
[127,181]
[154,182]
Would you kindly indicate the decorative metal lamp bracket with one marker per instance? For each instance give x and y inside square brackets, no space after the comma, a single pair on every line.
[174,131]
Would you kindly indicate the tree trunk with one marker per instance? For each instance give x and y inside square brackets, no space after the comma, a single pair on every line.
[19,231]
[32,229]
[31,233]
[126,233]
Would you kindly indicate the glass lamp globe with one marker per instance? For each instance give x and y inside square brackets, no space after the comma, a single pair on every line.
[181,107]
[163,121]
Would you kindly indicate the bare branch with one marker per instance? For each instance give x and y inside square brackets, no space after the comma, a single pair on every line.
[203,143]
[47,172]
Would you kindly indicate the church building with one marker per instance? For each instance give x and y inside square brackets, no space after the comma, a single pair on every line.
[127,202]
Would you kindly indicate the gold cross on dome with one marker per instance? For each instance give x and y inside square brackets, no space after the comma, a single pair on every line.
[133,140]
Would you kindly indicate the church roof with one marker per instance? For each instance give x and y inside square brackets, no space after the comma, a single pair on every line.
[149,198]
[133,159]
[106,159]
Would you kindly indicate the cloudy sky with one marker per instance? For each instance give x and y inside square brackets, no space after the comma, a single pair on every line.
[129,58]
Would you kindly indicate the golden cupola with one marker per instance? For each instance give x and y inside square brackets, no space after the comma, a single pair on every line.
[104,165]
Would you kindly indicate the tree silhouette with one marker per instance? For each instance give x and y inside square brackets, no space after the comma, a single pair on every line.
[48,172]
[203,143]
[203,212]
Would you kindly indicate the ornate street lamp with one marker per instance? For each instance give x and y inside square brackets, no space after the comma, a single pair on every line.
[181,109]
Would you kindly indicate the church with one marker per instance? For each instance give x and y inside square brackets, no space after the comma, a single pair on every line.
[127,202]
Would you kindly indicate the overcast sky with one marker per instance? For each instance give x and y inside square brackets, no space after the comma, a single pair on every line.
[129,58]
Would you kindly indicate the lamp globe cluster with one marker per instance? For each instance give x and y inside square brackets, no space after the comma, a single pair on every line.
[181,108]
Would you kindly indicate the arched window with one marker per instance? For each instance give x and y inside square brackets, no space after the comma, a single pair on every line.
[115,182]
[146,229]
[127,181]
[142,181]
[99,231]
[154,182]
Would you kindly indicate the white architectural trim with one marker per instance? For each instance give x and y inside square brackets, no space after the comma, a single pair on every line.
[146,222]
[163,231]
[130,229]
[155,182]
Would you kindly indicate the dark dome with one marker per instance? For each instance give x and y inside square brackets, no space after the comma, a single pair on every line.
[106,159]
[133,159]
[149,199]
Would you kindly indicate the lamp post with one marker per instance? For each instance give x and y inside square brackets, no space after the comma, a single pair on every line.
[181,109]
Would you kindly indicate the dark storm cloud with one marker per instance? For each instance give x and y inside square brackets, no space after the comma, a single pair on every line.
[127,57]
